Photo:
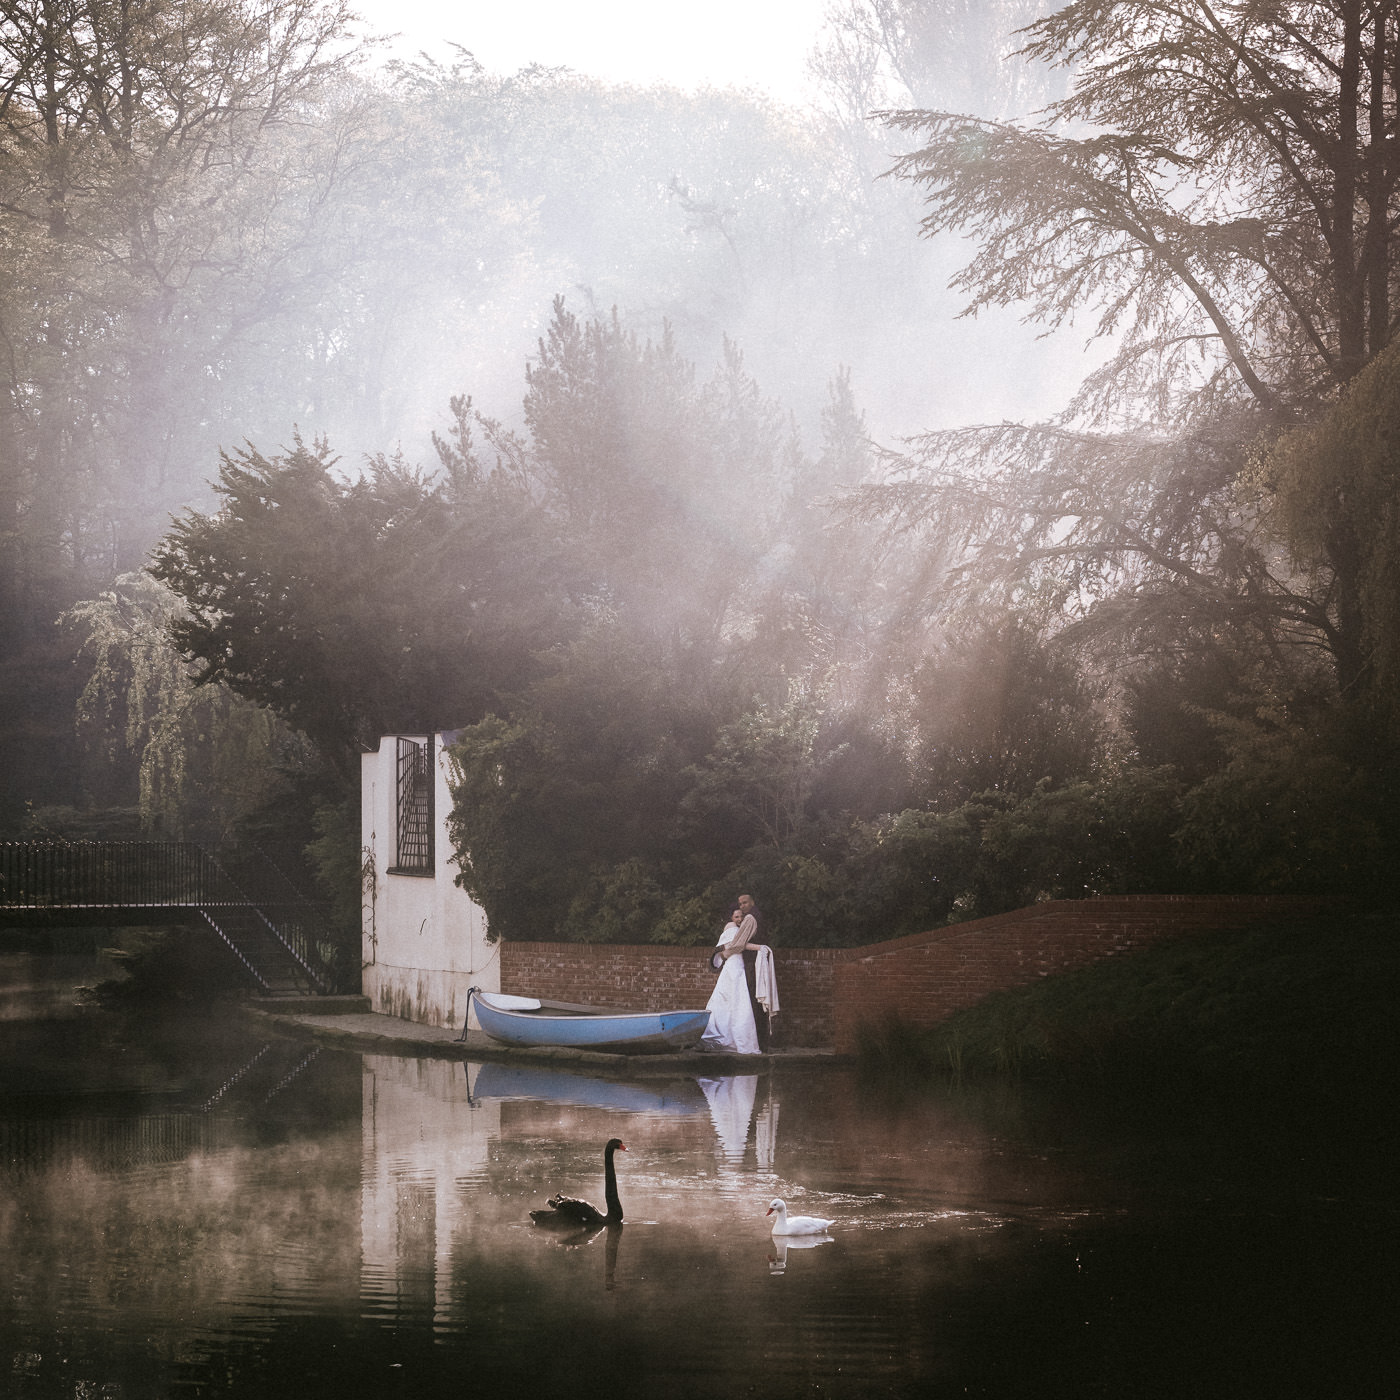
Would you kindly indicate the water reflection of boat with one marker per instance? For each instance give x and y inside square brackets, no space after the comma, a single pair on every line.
[529,1021]
[497,1081]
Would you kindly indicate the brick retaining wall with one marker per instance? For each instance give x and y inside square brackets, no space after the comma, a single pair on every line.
[828,994]
[644,977]
[924,978]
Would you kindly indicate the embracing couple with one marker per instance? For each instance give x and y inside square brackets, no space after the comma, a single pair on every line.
[739,1019]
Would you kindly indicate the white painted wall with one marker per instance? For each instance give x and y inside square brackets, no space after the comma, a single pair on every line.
[422,1135]
[424,939]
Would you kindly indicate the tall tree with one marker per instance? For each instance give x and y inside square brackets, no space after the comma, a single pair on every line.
[662,489]
[1228,206]
[666,487]
[1336,491]
[129,138]
[142,149]
[951,54]
[1221,186]
[357,608]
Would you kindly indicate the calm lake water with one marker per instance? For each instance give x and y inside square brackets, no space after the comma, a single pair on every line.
[194,1210]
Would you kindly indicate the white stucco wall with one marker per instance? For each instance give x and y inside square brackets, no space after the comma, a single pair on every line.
[424,938]
[423,1134]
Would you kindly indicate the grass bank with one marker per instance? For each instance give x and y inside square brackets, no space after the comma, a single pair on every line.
[1306,1012]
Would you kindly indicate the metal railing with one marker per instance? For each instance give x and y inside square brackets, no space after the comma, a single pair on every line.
[110,874]
[52,876]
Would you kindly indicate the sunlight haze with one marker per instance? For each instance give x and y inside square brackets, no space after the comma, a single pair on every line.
[727,42]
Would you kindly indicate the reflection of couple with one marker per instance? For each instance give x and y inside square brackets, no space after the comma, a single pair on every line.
[732,1026]
[732,1098]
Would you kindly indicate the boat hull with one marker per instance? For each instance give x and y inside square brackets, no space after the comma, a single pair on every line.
[638,1032]
[534,1082]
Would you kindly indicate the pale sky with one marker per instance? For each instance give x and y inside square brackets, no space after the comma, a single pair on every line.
[758,43]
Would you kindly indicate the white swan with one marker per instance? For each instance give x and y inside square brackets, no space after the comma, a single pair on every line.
[787,1224]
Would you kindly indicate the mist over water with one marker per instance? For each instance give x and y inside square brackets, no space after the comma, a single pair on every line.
[187,1208]
[223,1215]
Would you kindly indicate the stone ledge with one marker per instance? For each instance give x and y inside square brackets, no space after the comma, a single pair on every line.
[375,1033]
[352,1004]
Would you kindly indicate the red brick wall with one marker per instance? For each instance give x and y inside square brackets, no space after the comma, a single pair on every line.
[806,980]
[924,978]
[647,978]
[827,994]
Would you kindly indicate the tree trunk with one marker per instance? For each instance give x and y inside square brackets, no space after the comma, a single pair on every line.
[1380,187]
[1349,284]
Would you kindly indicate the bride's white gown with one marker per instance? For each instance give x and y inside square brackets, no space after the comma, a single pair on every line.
[731,1012]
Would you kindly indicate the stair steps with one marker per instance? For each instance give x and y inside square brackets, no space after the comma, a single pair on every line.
[254,942]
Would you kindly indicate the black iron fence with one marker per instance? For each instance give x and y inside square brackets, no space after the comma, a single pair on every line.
[111,874]
[40,878]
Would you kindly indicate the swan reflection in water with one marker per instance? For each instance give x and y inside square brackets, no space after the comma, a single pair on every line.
[572,1222]
[576,1239]
[731,1100]
[778,1246]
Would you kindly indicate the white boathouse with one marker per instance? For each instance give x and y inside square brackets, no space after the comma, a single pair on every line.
[424,938]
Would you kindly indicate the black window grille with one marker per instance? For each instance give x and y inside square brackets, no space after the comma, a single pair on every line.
[415,806]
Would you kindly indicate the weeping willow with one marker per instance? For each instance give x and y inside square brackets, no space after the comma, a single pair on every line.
[206,758]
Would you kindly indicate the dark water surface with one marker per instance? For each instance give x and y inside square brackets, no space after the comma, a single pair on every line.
[193,1210]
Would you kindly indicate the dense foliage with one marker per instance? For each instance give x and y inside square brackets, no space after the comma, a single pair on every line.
[222,226]
[354,608]
[694,629]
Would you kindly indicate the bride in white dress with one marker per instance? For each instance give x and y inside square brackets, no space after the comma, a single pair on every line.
[731,1012]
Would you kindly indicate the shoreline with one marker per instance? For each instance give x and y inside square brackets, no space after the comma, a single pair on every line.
[346,1023]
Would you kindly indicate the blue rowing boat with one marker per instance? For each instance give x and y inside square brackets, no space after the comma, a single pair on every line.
[530,1021]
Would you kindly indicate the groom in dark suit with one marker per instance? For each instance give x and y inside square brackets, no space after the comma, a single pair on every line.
[749,930]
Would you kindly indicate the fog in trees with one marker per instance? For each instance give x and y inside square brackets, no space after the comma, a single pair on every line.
[636,434]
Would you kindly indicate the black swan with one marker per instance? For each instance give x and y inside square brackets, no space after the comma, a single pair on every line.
[566,1210]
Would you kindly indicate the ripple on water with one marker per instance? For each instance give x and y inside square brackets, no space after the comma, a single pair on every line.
[372,1204]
